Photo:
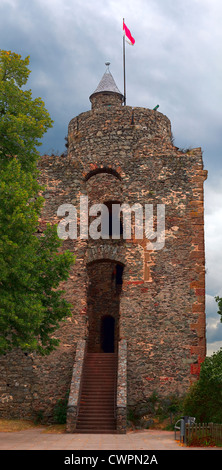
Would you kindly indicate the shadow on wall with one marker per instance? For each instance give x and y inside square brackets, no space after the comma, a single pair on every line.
[103,302]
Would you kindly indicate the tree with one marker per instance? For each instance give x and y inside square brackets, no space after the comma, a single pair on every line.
[204,400]
[31,268]
[23,120]
[219,302]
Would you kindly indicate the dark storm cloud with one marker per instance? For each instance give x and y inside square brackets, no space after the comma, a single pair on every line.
[175,62]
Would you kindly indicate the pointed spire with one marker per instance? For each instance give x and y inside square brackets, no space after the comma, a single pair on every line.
[108,89]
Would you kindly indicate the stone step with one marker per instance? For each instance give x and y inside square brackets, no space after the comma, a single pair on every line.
[95,431]
[96,411]
[100,426]
[94,422]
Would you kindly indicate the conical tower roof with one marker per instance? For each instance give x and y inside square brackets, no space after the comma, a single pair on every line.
[107,85]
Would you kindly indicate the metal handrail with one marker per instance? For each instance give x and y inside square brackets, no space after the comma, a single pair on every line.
[182,428]
[177,428]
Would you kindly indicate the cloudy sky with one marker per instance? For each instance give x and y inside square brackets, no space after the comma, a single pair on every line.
[175,62]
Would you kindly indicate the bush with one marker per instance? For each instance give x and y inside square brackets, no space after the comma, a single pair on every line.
[60,411]
[204,400]
[156,412]
[201,441]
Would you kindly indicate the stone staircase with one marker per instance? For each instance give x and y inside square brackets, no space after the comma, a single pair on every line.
[98,394]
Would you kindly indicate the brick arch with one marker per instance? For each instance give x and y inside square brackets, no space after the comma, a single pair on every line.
[102,187]
[106,252]
[95,169]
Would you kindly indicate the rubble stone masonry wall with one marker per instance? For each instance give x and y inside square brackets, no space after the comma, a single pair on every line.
[123,154]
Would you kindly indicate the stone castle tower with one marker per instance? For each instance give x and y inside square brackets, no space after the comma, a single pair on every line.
[138,319]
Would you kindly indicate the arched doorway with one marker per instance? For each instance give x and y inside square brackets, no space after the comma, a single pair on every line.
[107,336]
[103,305]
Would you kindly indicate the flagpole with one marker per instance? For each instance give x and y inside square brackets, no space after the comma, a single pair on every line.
[124,67]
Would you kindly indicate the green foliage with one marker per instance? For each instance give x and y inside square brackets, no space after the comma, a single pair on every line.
[131,417]
[23,120]
[153,398]
[202,441]
[60,410]
[39,419]
[31,268]
[156,411]
[204,400]
[219,302]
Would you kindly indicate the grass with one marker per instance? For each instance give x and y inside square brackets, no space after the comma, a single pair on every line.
[55,429]
[16,425]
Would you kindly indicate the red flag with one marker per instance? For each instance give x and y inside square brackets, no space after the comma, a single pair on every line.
[128,35]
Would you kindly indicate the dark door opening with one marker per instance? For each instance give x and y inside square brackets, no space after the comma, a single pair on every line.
[119,274]
[107,333]
[115,222]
